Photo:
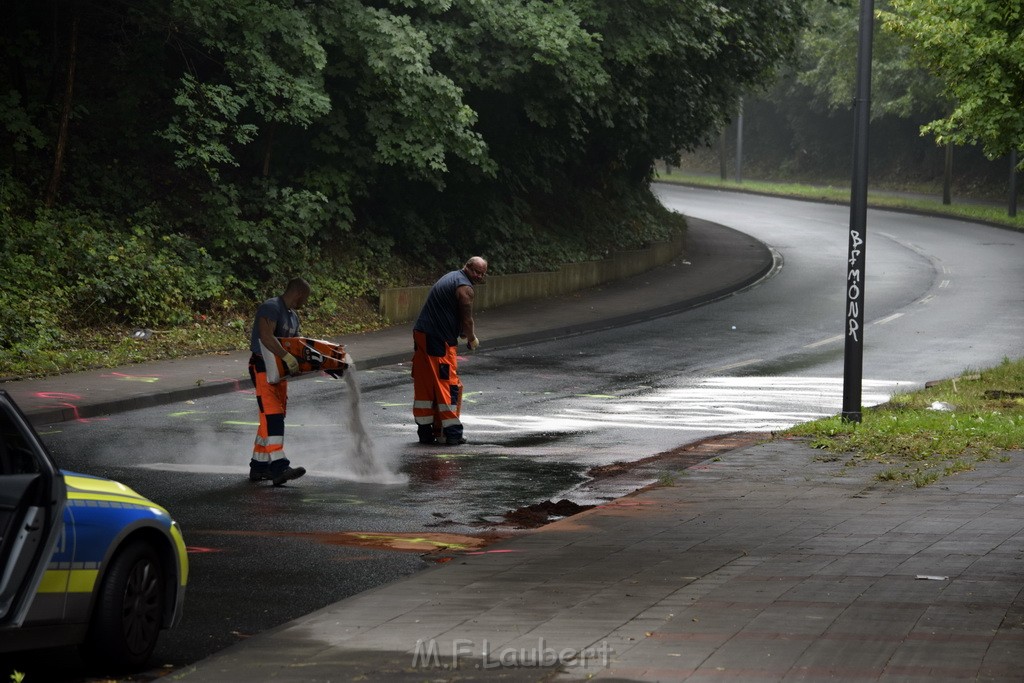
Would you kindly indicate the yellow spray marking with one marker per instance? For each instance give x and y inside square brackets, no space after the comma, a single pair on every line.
[596,396]
[418,542]
[135,378]
[448,456]
[415,541]
[347,500]
[391,405]
[241,422]
[185,413]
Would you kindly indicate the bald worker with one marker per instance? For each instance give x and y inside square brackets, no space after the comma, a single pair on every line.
[446,317]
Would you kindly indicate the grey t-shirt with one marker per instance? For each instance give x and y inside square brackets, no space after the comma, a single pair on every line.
[286,321]
[440,314]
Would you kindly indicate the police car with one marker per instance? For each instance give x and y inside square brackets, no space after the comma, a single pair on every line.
[83,560]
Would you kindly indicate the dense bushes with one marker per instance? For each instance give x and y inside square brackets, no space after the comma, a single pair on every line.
[63,270]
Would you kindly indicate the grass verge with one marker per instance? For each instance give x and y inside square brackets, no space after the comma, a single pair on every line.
[990,214]
[935,432]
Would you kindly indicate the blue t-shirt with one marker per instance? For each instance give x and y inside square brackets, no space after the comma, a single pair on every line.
[440,314]
[286,321]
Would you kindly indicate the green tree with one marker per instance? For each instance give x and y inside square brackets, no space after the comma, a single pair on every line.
[828,64]
[976,49]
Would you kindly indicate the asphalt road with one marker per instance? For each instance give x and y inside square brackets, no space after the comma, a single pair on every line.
[942,296]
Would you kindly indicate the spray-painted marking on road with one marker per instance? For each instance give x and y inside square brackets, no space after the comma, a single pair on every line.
[57,395]
[134,378]
[291,425]
[62,400]
[503,551]
[327,497]
[409,542]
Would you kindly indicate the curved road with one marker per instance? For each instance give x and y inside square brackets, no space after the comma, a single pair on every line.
[942,295]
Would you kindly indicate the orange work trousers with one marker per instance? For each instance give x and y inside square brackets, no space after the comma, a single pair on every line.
[437,389]
[272,400]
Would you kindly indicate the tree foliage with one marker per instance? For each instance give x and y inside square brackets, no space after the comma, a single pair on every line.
[976,49]
[801,128]
[244,140]
[828,57]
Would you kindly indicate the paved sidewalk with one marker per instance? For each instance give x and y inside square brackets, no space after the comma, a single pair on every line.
[758,564]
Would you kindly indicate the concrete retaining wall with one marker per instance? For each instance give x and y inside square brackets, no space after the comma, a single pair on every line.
[402,304]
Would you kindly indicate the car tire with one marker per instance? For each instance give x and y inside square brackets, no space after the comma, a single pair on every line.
[129,609]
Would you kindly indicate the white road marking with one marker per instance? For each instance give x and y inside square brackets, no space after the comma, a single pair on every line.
[830,340]
[742,363]
[888,319]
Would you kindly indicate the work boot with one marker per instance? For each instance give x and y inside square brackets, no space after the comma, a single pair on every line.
[453,436]
[287,474]
[257,474]
[426,435]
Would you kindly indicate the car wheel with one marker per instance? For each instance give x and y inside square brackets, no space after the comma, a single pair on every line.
[129,610]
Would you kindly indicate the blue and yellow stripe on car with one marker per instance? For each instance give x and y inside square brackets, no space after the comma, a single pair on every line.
[97,514]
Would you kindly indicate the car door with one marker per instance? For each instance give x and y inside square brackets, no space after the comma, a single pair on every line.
[32,497]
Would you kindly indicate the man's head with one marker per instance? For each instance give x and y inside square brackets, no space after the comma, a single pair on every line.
[296,293]
[475,269]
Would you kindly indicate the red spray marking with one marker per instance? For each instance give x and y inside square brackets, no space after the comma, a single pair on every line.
[57,395]
[492,552]
[61,401]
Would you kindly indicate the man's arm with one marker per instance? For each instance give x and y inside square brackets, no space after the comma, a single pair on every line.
[266,326]
[464,295]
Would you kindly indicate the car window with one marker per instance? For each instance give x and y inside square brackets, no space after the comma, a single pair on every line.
[15,450]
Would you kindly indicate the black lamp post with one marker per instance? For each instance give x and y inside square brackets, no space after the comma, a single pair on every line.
[853,369]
